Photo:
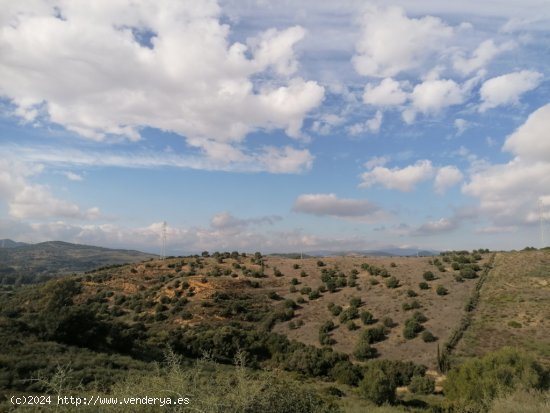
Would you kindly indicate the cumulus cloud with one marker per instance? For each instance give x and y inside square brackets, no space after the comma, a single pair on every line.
[432,96]
[530,141]
[508,193]
[227,221]
[27,200]
[388,92]
[461,125]
[507,89]
[439,226]
[404,179]
[331,205]
[372,125]
[480,57]
[391,42]
[113,68]
[447,177]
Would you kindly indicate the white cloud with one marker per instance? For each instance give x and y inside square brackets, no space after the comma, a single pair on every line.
[446,177]
[404,179]
[442,225]
[27,200]
[371,125]
[480,57]
[508,193]
[376,161]
[507,89]
[331,205]
[94,72]
[531,140]
[461,125]
[71,176]
[388,92]
[391,42]
[221,157]
[432,96]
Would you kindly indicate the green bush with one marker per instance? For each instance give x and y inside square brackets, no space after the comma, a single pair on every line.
[376,387]
[364,351]
[411,329]
[476,382]
[388,322]
[374,334]
[392,282]
[411,293]
[441,290]
[355,302]
[422,385]
[350,313]
[429,276]
[428,337]
[367,317]
[423,285]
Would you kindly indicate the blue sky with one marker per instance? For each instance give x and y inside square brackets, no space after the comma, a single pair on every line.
[276,126]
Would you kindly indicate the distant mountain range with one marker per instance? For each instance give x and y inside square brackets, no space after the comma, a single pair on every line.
[30,263]
[387,252]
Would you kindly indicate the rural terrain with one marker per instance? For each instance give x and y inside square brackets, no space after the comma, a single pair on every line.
[336,324]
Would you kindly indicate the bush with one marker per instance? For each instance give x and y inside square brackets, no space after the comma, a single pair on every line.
[314,295]
[351,325]
[428,337]
[422,385]
[320,263]
[335,309]
[345,372]
[374,334]
[411,306]
[468,272]
[364,351]
[367,318]
[376,387]
[349,313]
[423,285]
[388,322]
[355,302]
[411,293]
[411,329]
[478,381]
[441,290]
[429,276]
[392,282]
[294,281]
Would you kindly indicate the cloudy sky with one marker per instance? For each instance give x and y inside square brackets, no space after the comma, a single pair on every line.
[275,125]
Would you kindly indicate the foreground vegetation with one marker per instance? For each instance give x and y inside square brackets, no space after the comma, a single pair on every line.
[144,327]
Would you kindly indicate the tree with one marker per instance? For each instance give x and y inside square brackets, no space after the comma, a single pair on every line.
[376,387]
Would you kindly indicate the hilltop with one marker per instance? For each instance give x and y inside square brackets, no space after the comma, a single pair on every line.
[31,263]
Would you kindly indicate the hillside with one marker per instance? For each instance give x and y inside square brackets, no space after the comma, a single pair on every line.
[31,263]
[331,318]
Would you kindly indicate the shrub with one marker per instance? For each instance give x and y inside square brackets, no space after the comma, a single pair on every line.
[296,266]
[367,317]
[303,274]
[345,372]
[373,281]
[423,285]
[320,263]
[411,293]
[392,282]
[388,322]
[376,387]
[292,289]
[468,272]
[422,385]
[393,265]
[429,276]
[314,295]
[478,381]
[374,334]
[428,337]
[364,351]
[411,329]
[349,313]
[355,302]
[327,327]
[411,306]
[294,281]
[419,316]
[335,309]
[441,290]
[351,325]
[274,296]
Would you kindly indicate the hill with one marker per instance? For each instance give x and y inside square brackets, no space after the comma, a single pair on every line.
[31,263]
[8,243]
[333,320]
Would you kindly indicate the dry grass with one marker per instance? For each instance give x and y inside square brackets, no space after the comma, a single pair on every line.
[514,308]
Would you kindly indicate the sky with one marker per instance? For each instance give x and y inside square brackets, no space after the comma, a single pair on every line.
[276,126]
